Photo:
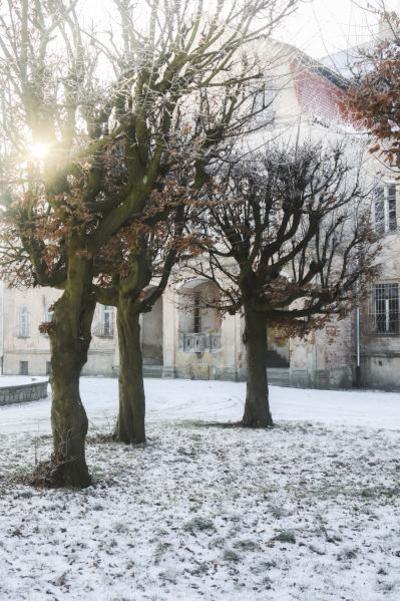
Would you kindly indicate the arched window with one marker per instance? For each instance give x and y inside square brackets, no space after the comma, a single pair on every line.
[199,321]
[23,323]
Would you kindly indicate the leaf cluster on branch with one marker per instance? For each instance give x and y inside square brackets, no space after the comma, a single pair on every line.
[374,97]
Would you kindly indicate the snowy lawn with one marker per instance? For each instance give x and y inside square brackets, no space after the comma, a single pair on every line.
[309,510]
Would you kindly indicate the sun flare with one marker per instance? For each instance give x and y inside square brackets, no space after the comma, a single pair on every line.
[39,150]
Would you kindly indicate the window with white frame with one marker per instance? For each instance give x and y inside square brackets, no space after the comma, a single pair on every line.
[105,322]
[48,314]
[386,308]
[23,323]
[385,208]
[47,317]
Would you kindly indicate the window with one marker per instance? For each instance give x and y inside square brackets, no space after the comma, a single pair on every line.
[47,310]
[103,325]
[386,308]
[47,318]
[261,104]
[48,368]
[108,320]
[385,210]
[48,314]
[23,323]
[23,368]
[196,314]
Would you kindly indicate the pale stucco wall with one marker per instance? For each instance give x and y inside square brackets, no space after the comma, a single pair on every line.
[152,335]
[35,349]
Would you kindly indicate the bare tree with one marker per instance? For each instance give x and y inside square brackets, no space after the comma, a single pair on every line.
[48,103]
[183,74]
[286,240]
[134,270]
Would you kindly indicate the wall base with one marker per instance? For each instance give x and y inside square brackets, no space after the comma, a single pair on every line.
[380,371]
[168,372]
[23,393]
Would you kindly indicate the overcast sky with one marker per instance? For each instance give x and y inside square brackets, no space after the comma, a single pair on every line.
[321,27]
[318,27]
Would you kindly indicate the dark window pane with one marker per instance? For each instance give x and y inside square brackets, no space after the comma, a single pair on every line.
[23,368]
[197,315]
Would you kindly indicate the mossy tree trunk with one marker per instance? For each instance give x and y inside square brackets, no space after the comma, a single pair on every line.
[131,416]
[257,412]
[70,336]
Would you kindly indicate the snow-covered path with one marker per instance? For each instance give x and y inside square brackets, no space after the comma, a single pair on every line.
[215,401]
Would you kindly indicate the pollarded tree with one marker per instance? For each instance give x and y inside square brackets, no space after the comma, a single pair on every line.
[291,245]
[49,101]
[134,270]
[172,64]
[220,104]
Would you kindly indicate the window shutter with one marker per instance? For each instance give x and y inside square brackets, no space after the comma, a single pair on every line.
[392,207]
[379,207]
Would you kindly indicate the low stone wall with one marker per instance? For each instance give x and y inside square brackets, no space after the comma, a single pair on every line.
[22,393]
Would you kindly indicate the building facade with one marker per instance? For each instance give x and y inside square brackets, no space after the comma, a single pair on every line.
[179,339]
[186,340]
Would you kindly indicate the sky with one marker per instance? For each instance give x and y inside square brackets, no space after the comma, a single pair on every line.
[321,27]
[318,27]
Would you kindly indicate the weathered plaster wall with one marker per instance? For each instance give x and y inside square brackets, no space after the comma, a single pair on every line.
[380,353]
[152,335]
[326,358]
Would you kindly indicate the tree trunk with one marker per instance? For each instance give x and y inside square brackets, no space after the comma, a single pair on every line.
[256,413]
[70,338]
[131,417]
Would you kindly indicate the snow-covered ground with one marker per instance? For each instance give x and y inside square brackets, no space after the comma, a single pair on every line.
[18,380]
[209,400]
[308,511]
